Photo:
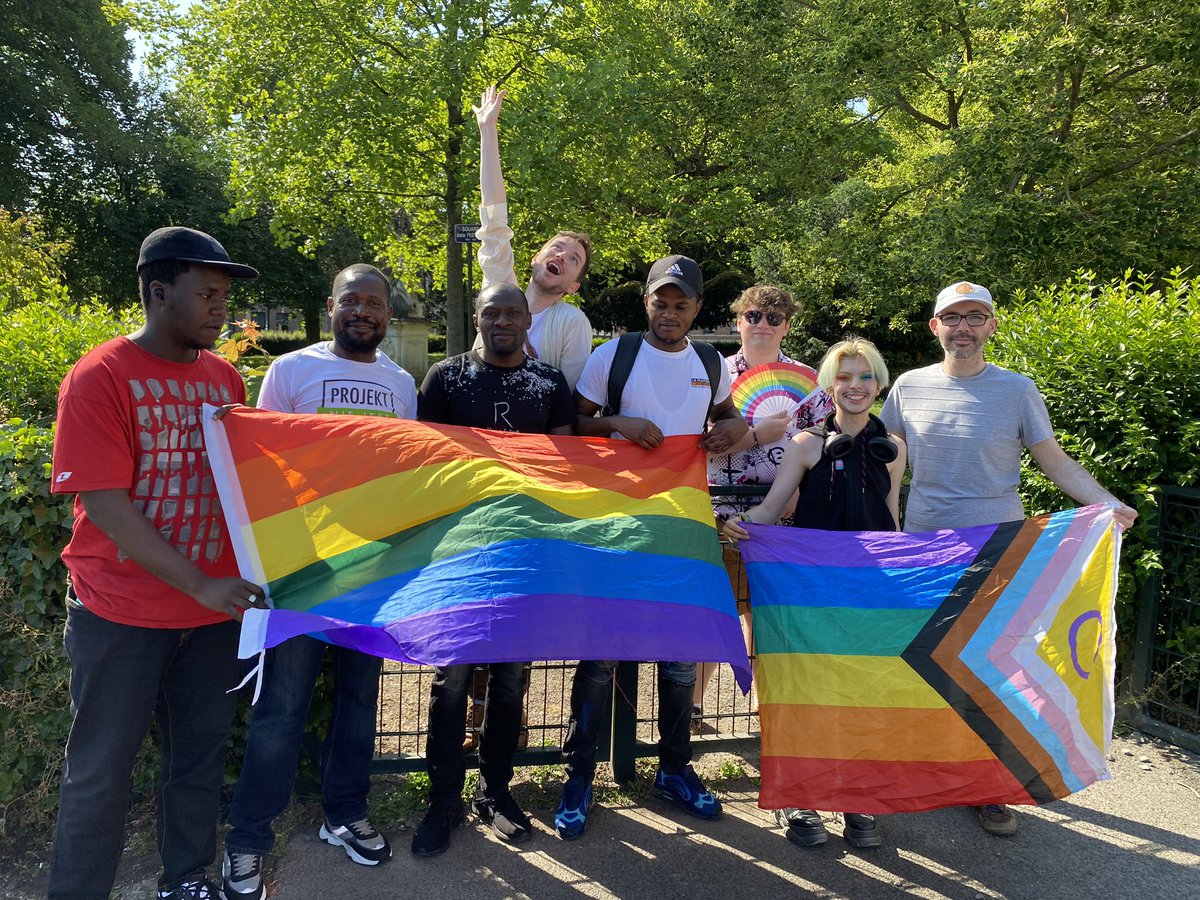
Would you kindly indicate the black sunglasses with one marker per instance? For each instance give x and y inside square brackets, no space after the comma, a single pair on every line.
[774,319]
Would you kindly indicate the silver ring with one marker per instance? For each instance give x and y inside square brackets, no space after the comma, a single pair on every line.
[252,599]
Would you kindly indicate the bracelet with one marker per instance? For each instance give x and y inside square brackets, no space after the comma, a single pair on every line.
[754,434]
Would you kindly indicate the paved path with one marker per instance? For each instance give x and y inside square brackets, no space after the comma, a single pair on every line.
[1137,836]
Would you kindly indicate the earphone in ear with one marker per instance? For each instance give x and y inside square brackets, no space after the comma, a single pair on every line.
[881,447]
[158,294]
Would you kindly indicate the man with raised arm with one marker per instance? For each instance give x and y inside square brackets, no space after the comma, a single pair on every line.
[559,334]
[965,422]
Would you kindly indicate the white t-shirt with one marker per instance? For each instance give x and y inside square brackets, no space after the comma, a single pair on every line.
[534,336]
[315,380]
[672,390]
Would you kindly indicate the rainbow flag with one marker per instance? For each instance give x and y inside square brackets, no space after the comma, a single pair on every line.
[442,545]
[906,672]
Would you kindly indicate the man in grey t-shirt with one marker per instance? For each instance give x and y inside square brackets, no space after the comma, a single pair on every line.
[965,422]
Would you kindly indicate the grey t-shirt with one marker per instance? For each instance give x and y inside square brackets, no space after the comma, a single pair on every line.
[964,438]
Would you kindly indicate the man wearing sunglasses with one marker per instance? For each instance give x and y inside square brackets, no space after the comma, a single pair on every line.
[966,421]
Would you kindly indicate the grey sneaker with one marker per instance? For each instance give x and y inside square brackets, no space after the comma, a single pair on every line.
[241,876]
[360,840]
[997,819]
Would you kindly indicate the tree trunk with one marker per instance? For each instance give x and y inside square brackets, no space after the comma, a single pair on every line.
[456,338]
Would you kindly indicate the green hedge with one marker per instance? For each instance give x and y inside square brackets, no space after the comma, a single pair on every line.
[38,346]
[1117,364]
[34,707]
[277,342]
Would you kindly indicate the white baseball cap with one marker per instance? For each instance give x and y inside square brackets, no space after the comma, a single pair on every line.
[961,291]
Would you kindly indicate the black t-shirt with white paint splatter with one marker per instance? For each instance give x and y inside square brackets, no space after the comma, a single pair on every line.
[464,390]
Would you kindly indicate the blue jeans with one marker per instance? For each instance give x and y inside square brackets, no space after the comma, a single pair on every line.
[122,676]
[591,690]
[273,743]
[497,741]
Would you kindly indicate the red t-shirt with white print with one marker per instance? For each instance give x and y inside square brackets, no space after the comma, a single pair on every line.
[130,419]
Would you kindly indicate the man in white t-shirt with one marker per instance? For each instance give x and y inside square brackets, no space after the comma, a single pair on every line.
[561,335]
[965,422]
[668,392]
[347,376]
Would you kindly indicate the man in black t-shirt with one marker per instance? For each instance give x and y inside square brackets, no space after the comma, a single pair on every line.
[497,387]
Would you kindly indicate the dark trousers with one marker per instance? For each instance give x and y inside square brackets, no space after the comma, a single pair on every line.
[497,742]
[591,690]
[273,744]
[121,676]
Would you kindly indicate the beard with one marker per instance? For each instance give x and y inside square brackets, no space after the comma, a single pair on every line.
[959,352]
[355,343]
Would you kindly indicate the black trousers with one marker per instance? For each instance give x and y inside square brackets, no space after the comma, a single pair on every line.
[497,742]
[121,677]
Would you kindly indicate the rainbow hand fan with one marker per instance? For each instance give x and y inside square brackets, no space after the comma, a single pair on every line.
[773,388]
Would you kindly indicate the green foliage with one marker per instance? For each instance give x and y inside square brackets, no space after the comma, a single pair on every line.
[65,87]
[34,714]
[1117,364]
[1005,142]
[29,264]
[39,344]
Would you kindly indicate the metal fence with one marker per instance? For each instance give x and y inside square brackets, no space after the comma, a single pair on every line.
[1166,671]
[729,720]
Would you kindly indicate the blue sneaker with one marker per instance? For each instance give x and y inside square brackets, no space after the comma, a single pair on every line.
[571,816]
[688,792]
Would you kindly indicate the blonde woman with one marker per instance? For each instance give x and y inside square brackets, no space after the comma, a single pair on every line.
[847,471]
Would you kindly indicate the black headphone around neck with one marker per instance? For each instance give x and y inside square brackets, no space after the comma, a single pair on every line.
[880,446]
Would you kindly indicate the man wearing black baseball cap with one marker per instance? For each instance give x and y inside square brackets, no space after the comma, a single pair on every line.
[153,590]
[646,386]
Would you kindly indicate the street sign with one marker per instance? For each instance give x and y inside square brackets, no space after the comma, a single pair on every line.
[465,234]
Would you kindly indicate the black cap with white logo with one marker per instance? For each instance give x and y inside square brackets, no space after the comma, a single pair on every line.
[681,271]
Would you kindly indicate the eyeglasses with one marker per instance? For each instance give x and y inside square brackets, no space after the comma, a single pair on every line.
[754,316]
[972,319]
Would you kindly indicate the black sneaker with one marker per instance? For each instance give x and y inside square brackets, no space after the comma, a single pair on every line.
[194,887]
[508,821]
[360,840]
[241,876]
[805,827]
[861,831]
[433,834]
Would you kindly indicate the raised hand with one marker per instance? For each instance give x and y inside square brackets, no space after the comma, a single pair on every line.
[487,113]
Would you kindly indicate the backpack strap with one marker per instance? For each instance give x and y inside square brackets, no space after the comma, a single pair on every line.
[627,350]
[628,345]
[713,364]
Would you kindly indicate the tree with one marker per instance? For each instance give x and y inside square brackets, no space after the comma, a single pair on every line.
[358,115]
[1010,144]
[65,92]
[30,264]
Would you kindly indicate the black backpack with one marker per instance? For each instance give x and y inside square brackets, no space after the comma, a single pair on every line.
[627,351]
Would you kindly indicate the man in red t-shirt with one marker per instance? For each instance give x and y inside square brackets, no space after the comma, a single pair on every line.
[153,593]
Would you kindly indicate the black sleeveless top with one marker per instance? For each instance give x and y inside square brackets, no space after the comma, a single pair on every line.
[847,494]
